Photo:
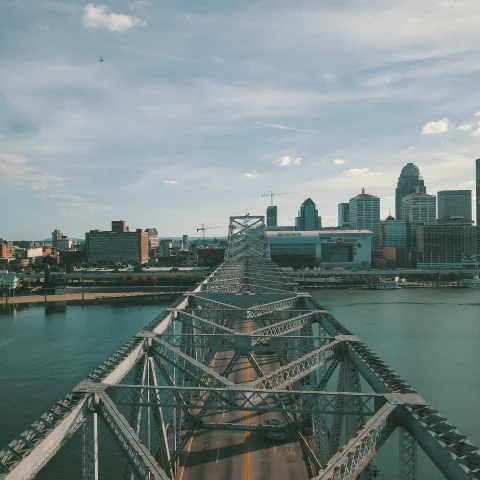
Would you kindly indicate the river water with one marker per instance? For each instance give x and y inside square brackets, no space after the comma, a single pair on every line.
[429,336]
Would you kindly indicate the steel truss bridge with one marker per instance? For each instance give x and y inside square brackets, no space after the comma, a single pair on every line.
[166,385]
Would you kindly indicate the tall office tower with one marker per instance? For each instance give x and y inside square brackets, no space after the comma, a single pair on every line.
[116,246]
[418,209]
[119,226]
[344,215]
[446,245]
[56,235]
[455,203]
[185,242]
[408,182]
[272,216]
[365,215]
[393,233]
[478,193]
[152,241]
[308,218]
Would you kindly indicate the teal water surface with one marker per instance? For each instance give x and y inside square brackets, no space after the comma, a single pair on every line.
[431,337]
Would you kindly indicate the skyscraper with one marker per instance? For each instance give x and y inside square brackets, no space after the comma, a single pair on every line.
[365,215]
[455,203]
[408,182]
[308,218]
[418,209]
[272,216]
[478,192]
[343,215]
[393,233]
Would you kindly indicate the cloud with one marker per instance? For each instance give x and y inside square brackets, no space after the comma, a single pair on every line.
[287,161]
[171,182]
[477,113]
[467,183]
[17,171]
[283,127]
[360,172]
[435,127]
[465,126]
[476,133]
[252,174]
[91,207]
[329,77]
[339,161]
[95,16]
[61,198]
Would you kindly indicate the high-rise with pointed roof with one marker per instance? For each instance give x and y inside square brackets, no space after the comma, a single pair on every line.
[308,218]
[408,182]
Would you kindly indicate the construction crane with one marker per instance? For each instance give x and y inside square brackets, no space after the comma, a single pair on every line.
[203,228]
[271,195]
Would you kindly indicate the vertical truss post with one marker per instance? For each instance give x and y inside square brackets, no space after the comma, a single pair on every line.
[408,455]
[90,447]
[163,453]
[321,429]
[356,422]
[136,412]
[337,421]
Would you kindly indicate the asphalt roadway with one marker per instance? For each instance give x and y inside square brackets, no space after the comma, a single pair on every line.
[230,455]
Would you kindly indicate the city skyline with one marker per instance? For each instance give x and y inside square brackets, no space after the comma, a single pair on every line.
[178,111]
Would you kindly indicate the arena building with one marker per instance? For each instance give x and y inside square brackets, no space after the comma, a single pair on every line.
[324,248]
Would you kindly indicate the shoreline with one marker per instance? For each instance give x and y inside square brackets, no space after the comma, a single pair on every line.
[86,297]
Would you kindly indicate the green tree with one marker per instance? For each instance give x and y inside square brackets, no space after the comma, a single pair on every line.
[143,280]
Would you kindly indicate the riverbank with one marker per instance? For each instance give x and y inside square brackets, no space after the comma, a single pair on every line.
[86,297]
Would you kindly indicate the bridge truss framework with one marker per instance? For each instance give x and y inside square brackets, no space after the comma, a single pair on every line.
[174,388]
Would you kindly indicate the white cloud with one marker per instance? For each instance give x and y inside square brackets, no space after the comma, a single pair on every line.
[360,172]
[283,127]
[61,198]
[17,170]
[287,161]
[329,77]
[95,16]
[339,161]
[477,113]
[252,174]
[476,133]
[171,182]
[91,207]
[435,127]
[467,183]
[465,126]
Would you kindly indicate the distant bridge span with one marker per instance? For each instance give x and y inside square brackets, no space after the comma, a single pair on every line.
[247,355]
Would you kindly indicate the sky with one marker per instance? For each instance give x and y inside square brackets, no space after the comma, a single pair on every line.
[201,107]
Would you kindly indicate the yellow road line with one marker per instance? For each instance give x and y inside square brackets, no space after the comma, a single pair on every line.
[246,457]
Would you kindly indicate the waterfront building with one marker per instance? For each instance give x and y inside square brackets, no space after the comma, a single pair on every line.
[117,246]
[418,209]
[119,226]
[152,241]
[344,215]
[455,203]
[364,212]
[63,244]
[56,235]
[447,245]
[478,191]
[409,181]
[393,233]
[164,247]
[328,248]
[271,216]
[308,218]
